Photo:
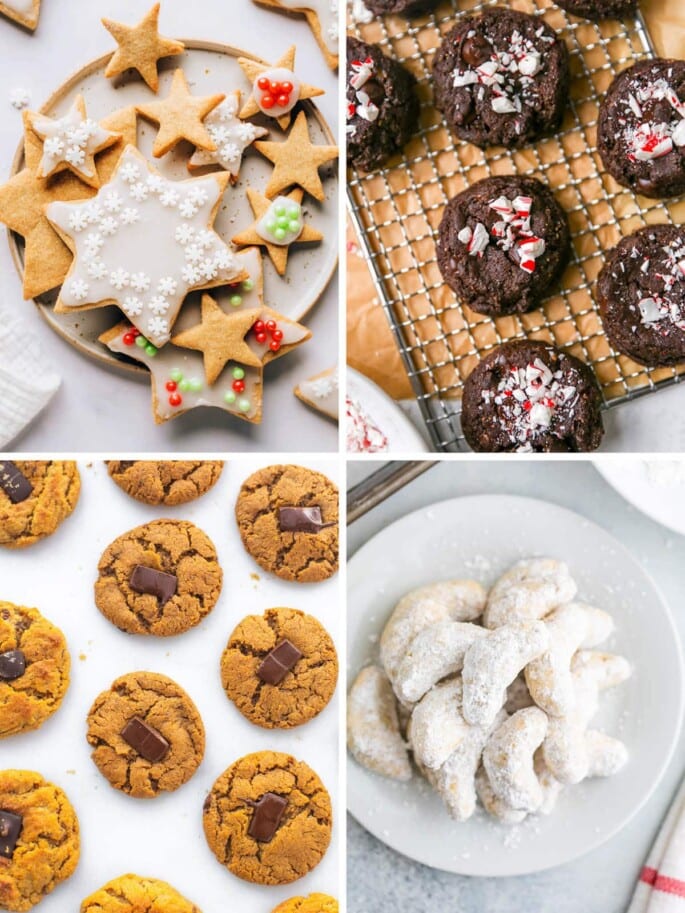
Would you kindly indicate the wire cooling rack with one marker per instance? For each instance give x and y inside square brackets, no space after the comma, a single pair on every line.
[397,212]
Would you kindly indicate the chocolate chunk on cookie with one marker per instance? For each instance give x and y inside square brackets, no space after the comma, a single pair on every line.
[280,669]
[35,497]
[502,243]
[641,128]
[501,78]
[34,669]
[133,894]
[147,735]
[404,7]
[168,482]
[382,106]
[315,903]
[641,293]
[528,396]
[304,557]
[40,847]
[300,838]
[599,9]
[132,597]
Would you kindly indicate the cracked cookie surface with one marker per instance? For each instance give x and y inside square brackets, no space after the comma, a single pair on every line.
[303,836]
[161,704]
[48,847]
[27,701]
[301,557]
[174,547]
[304,691]
[56,485]
[134,894]
[168,482]
[315,903]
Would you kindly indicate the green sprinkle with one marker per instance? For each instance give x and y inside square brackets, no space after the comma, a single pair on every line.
[229,396]
[150,350]
[141,342]
[294,226]
[248,285]
[271,225]
[184,385]
[176,374]
[244,405]
[283,221]
[195,385]
[295,212]
[280,210]
[238,374]
[280,234]
[236,300]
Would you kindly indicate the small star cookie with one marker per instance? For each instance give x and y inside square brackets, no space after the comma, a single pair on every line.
[321,392]
[322,16]
[230,135]
[143,243]
[25,12]
[297,161]
[279,223]
[275,90]
[180,116]
[71,142]
[140,48]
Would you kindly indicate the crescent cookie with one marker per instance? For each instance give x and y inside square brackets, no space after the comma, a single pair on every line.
[508,759]
[373,731]
[529,590]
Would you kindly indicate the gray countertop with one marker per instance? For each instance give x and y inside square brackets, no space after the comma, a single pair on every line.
[381,880]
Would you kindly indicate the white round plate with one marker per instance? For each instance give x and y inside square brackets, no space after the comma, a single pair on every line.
[384,412]
[480,537]
[656,487]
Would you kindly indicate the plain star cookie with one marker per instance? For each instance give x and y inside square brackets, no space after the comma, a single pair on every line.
[230,135]
[143,244]
[34,669]
[141,47]
[135,894]
[36,496]
[268,819]
[39,839]
[25,12]
[168,482]
[297,161]
[278,225]
[147,735]
[276,90]
[322,16]
[180,116]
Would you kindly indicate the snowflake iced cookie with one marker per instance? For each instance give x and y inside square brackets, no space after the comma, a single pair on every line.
[230,135]
[297,161]
[23,200]
[141,47]
[373,731]
[275,90]
[279,224]
[321,392]
[25,12]
[322,16]
[71,142]
[143,243]
[180,116]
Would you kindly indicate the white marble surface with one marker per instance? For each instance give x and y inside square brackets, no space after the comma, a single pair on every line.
[98,408]
[380,879]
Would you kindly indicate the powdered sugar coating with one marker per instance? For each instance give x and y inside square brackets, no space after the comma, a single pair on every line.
[529,590]
[373,733]
[508,759]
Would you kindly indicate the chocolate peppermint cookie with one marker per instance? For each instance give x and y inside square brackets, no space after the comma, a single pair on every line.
[404,7]
[641,128]
[382,106]
[529,397]
[502,243]
[598,9]
[501,78]
[641,292]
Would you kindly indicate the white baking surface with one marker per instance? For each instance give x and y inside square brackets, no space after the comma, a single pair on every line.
[161,837]
[432,544]
[99,407]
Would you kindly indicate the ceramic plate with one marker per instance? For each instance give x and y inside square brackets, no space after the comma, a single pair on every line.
[656,487]
[480,537]
[400,431]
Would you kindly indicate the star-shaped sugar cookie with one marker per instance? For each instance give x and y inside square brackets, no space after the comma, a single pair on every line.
[24,197]
[180,116]
[71,142]
[220,337]
[297,161]
[321,392]
[275,90]
[143,243]
[230,135]
[140,48]
[267,213]
[25,12]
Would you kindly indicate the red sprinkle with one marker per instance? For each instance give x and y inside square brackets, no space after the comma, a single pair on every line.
[171,386]
[175,399]
[239,386]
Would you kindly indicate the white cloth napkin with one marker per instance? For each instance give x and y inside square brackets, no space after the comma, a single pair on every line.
[27,382]
[661,887]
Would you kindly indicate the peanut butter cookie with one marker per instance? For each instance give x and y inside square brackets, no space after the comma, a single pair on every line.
[39,839]
[169,482]
[34,669]
[35,497]
[280,669]
[288,521]
[315,903]
[133,894]
[268,818]
[161,578]
[147,735]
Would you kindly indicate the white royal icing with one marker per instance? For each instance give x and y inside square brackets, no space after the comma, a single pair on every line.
[231,136]
[144,243]
[322,391]
[290,213]
[279,75]
[511,232]
[327,11]
[70,140]
[647,140]
[20,6]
